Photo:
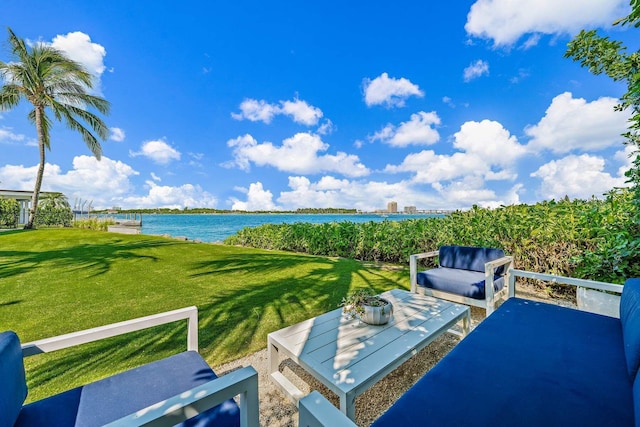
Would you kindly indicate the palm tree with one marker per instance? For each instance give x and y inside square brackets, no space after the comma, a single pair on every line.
[49,80]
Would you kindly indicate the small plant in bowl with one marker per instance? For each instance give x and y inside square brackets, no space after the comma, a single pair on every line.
[365,305]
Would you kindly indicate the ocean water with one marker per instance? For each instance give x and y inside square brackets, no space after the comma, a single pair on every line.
[217,227]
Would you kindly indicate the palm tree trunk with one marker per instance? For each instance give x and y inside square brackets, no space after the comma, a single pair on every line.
[36,190]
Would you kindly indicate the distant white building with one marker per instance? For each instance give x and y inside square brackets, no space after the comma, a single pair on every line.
[410,210]
[23,198]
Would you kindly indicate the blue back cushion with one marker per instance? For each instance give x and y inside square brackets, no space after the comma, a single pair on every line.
[630,319]
[468,257]
[13,386]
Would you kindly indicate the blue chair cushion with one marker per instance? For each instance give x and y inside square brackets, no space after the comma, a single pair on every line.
[469,258]
[528,364]
[114,397]
[13,386]
[630,319]
[467,283]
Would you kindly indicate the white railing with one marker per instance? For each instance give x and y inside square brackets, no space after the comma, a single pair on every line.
[591,296]
[89,335]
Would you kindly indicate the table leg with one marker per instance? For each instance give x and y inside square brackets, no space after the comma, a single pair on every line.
[348,405]
[466,323]
[273,357]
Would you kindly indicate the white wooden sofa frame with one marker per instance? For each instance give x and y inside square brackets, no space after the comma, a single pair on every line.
[314,410]
[491,297]
[242,382]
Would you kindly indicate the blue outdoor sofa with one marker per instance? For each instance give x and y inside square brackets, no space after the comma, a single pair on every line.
[528,364]
[465,274]
[178,389]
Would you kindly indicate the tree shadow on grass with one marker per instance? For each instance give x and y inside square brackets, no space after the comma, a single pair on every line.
[91,257]
[269,290]
[294,288]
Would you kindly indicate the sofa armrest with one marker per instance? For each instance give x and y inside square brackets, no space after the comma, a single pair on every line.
[316,411]
[243,382]
[413,267]
[580,284]
[89,335]
[489,273]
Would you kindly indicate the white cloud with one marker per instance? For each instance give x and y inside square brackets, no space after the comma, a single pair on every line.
[326,128]
[625,157]
[505,21]
[155,177]
[298,154]
[490,141]
[487,152]
[164,196]
[475,70]
[576,176]
[429,167]
[575,124]
[256,111]
[258,199]
[389,91]
[90,179]
[343,193]
[117,134]
[371,195]
[7,136]
[158,151]
[78,46]
[419,130]
[447,100]
[299,111]
[106,183]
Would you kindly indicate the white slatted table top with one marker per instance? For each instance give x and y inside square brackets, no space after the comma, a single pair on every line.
[349,356]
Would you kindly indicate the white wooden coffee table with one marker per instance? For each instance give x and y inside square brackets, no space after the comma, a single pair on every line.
[349,356]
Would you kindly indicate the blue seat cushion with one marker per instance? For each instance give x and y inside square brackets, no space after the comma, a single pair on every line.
[460,282]
[630,318]
[469,257]
[13,386]
[107,400]
[528,364]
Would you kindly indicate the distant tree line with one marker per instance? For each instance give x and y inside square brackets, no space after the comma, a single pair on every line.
[187,210]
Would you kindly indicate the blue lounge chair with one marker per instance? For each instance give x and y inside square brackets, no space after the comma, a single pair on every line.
[469,275]
[178,389]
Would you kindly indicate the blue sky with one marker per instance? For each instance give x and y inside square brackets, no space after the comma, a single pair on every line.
[258,105]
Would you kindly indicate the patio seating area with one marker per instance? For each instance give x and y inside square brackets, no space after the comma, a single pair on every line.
[574,366]
[529,363]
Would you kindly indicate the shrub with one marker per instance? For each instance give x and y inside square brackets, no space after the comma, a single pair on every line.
[579,238]
[54,210]
[9,213]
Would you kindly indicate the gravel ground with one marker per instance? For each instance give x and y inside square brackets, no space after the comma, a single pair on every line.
[278,411]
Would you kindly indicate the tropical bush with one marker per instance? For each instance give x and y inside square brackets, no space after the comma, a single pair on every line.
[9,213]
[580,238]
[54,210]
[94,223]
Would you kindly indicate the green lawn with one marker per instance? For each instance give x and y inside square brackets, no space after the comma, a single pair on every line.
[56,281]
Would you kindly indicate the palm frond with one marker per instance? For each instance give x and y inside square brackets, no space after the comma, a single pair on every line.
[48,79]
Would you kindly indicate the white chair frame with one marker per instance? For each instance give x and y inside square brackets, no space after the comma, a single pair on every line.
[491,297]
[242,383]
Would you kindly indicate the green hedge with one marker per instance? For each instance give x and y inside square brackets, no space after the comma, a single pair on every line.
[54,210]
[9,213]
[594,239]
